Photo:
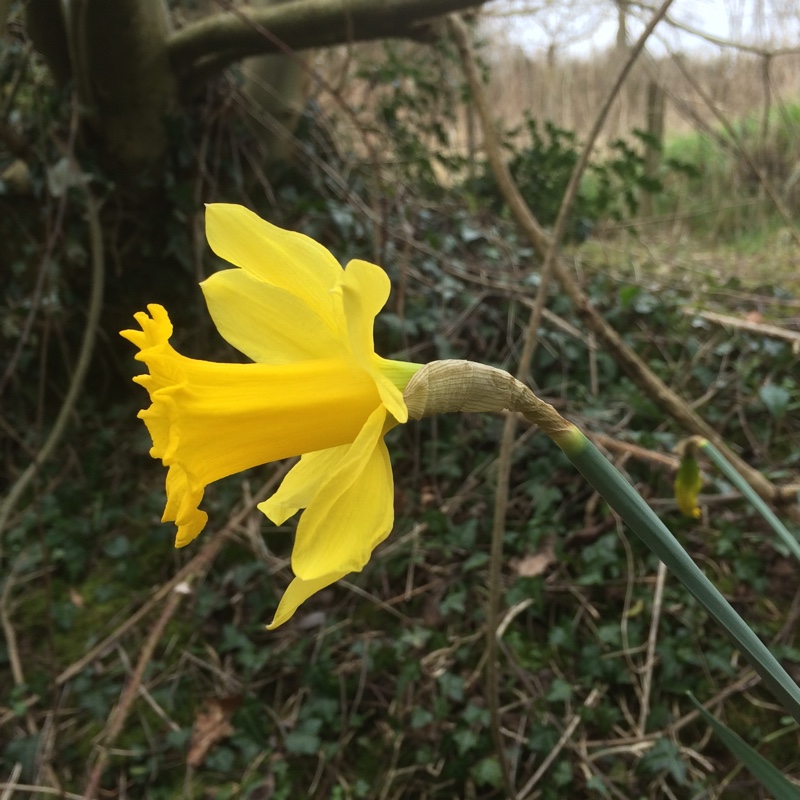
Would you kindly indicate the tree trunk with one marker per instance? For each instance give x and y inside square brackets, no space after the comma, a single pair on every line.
[622,26]
[276,87]
[128,66]
[123,75]
[653,149]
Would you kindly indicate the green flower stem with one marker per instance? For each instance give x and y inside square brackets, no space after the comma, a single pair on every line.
[769,776]
[744,487]
[633,510]
[446,386]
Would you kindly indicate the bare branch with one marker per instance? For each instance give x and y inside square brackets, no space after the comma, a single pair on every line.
[719,41]
[629,361]
[301,24]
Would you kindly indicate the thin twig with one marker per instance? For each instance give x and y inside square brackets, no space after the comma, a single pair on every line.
[120,713]
[650,659]
[8,629]
[8,789]
[634,450]
[146,696]
[199,564]
[50,790]
[12,648]
[81,367]
[764,329]
[721,42]
[528,788]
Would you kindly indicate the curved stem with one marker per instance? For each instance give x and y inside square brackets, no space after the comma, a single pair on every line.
[644,522]
[81,367]
[549,246]
[443,386]
[747,491]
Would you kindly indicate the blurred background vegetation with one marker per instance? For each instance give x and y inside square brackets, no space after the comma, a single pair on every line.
[376,689]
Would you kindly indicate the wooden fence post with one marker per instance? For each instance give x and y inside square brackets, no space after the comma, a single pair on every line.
[655,128]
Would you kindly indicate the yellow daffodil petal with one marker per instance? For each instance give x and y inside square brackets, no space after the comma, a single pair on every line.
[391,394]
[365,290]
[266,323]
[300,485]
[155,329]
[183,499]
[352,510]
[298,592]
[210,420]
[283,258]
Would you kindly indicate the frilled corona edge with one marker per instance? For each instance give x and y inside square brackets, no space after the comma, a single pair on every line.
[166,379]
[452,385]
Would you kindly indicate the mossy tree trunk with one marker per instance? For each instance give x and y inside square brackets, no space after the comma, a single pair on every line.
[125,80]
[276,87]
[131,70]
[116,55]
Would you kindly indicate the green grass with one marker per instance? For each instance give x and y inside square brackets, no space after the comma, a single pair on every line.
[725,201]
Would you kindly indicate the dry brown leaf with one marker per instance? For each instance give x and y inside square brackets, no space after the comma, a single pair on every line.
[427,496]
[536,563]
[211,725]
[76,598]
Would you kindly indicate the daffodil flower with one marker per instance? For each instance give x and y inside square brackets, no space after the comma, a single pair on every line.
[317,389]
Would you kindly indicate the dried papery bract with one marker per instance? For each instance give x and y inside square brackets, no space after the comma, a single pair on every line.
[442,387]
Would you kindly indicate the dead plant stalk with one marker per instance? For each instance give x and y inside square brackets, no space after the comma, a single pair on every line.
[548,247]
[120,713]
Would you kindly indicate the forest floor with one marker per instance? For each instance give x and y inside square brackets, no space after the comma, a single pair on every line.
[150,669]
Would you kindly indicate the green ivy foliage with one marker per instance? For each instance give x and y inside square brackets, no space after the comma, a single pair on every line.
[377,689]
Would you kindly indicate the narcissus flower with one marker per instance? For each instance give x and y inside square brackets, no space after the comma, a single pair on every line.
[317,389]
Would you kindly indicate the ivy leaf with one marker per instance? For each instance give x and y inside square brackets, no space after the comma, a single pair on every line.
[664,757]
[775,398]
